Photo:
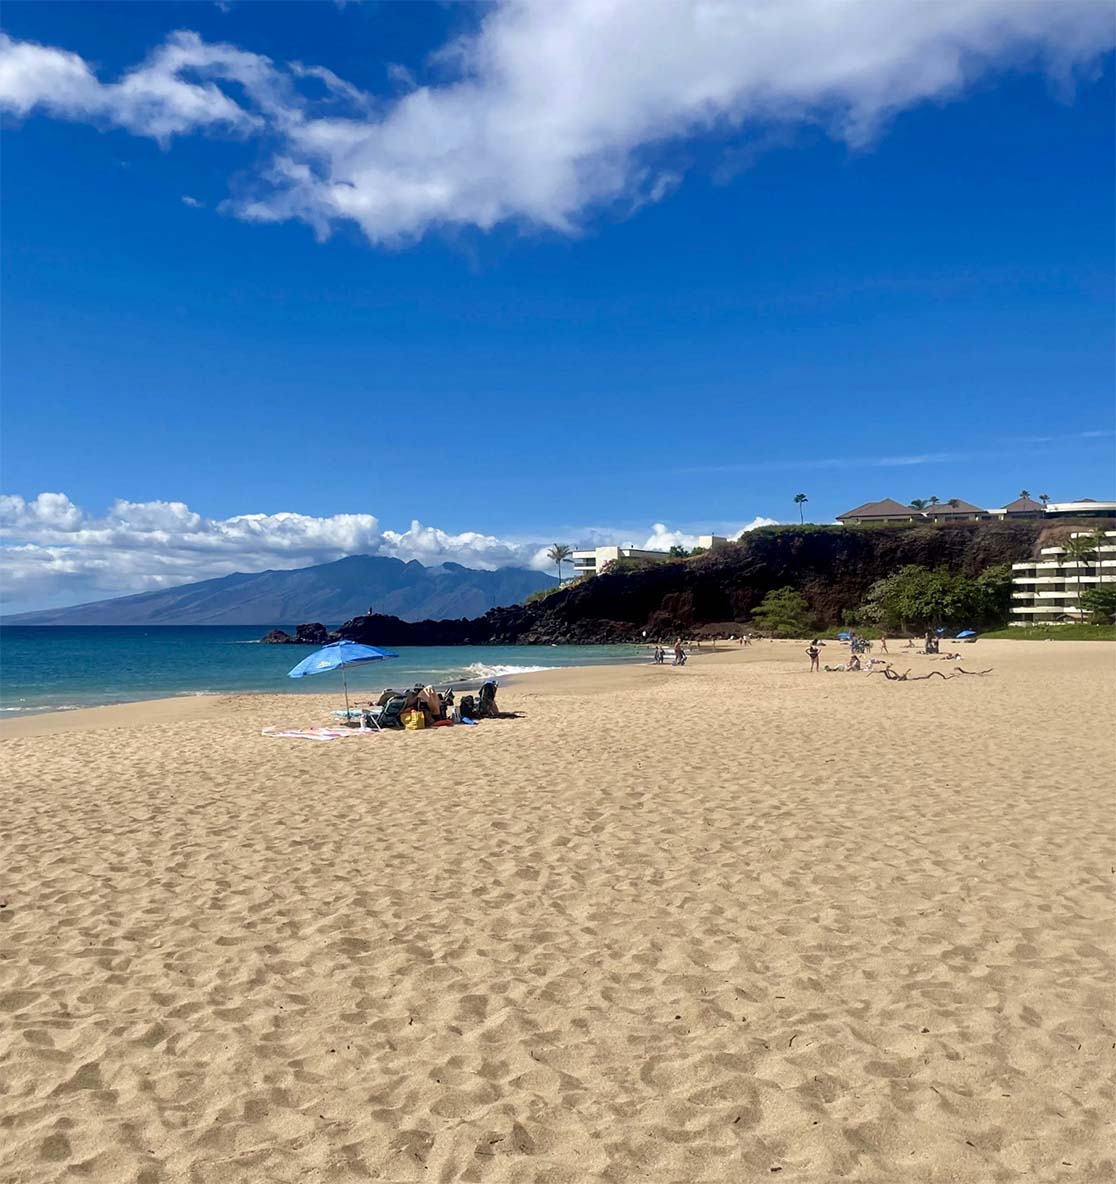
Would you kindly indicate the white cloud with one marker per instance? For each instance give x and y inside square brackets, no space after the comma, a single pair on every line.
[662,538]
[52,552]
[154,99]
[53,512]
[192,202]
[552,109]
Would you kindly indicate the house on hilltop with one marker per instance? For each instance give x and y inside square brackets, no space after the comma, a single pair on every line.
[958,510]
[887,510]
[955,510]
[1022,507]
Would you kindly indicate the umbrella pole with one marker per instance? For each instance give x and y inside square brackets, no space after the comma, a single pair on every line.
[345,684]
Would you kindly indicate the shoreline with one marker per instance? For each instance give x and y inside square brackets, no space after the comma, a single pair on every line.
[190,706]
[467,676]
[195,706]
[16,716]
[139,706]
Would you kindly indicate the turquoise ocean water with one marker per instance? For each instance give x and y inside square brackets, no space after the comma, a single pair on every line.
[58,668]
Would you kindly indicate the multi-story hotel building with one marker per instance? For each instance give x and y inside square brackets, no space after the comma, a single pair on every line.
[1048,590]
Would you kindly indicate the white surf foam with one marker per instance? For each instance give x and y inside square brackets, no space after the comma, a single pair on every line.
[481,671]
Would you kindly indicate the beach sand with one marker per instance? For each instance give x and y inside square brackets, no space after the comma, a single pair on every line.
[724,923]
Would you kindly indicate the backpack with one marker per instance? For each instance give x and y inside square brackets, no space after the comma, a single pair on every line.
[486,705]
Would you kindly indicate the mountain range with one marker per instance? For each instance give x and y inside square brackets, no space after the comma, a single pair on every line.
[328,592]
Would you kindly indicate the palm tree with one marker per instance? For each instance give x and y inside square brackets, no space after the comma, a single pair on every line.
[953,503]
[558,554]
[1078,550]
[934,501]
[800,499]
[1044,498]
[1024,494]
[918,503]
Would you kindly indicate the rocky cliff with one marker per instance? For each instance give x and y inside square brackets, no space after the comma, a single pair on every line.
[832,566]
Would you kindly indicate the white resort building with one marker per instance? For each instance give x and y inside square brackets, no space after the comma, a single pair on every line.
[1048,590]
[593,562]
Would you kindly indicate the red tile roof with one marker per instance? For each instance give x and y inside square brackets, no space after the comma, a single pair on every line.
[1023,505]
[962,509]
[887,508]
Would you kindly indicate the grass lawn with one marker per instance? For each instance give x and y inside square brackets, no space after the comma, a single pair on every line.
[1072,632]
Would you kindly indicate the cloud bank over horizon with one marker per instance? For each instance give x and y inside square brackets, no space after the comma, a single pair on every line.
[52,552]
[546,112]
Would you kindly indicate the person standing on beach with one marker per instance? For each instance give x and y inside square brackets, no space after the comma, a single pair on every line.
[679,653]
[883,645]
[815,655]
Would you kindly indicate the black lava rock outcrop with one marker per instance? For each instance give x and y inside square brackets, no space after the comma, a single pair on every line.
[312,633]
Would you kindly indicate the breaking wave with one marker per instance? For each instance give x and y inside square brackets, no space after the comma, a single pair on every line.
[480,670]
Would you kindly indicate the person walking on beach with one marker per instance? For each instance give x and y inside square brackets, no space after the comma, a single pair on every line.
[883,645]
[679,653]
[815,655]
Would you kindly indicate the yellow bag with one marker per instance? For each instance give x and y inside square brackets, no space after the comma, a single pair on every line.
[413,721]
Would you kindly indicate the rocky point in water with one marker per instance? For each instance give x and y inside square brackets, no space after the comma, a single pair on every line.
[312,633]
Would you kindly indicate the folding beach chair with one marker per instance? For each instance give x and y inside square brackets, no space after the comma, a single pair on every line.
[388,715]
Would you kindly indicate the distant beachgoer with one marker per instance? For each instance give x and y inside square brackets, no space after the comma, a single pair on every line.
[679,653]
[883,645]
[815,655]
[854,662]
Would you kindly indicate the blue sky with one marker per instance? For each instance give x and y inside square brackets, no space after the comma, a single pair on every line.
[869,287]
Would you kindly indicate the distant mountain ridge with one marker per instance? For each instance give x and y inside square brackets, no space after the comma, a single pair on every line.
[329,592]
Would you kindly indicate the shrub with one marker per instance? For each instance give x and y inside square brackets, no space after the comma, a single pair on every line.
[784,613]
[1100,602]
[546,593]
[916,598]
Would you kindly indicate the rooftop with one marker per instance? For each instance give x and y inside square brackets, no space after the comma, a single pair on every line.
[962,508]
[1023,505]
[886,508]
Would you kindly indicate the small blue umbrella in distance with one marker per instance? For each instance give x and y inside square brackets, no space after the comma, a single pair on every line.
[842,637]
[339,655]
[967,633]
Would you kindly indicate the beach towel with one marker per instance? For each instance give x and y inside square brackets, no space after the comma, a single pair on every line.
[315,733]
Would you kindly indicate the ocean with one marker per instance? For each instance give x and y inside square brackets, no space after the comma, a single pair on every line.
[63,667]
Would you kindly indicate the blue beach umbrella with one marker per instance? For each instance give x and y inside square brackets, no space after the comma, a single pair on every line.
[339,655]
[967,633]
[842,637]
